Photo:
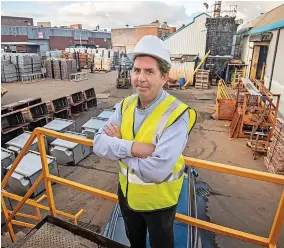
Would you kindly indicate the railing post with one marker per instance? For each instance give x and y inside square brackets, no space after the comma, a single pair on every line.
[9,225]
[277,223]
[45,170]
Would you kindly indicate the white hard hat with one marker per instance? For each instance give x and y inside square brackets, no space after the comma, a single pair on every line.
[151,45]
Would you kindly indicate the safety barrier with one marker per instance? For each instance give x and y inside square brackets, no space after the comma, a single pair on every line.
[269,242]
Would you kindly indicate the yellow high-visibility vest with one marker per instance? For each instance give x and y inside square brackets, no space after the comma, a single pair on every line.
[140,195]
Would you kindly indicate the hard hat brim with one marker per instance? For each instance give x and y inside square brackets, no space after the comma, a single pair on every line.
[131,56]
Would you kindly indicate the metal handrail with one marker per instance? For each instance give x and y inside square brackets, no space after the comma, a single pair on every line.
[270,242]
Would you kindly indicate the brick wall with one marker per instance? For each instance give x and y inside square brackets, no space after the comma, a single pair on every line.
[141,32]
[59,42]
[103,43]
[14,38]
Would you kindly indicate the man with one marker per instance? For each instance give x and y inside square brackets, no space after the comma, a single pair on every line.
[147,134]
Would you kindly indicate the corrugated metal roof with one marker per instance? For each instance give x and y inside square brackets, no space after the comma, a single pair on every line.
[186,25]
[272,16]
[189,40]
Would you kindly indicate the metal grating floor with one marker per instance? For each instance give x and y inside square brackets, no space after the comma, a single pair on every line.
[52,236]
[202,192]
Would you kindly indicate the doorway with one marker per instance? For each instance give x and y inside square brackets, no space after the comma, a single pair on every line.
[258,61]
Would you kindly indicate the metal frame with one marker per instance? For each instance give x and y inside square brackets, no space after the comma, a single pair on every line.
[269,242]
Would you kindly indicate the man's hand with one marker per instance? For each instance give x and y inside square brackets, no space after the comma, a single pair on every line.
[112,130]
[142,150]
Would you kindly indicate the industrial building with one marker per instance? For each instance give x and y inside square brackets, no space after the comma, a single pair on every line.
[51,38]
[125,39]
[184,42]
[16,21]
[262,49]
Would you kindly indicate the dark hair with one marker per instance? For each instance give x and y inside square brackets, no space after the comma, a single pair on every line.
[164,67]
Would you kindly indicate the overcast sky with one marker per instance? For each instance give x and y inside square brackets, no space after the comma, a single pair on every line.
[110,14]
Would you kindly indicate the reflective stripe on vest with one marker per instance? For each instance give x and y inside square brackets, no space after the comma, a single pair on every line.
[133,178]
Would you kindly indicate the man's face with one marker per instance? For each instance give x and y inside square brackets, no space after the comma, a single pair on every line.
[147,79]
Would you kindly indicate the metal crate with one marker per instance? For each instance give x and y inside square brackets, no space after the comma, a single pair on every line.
[69,153]
[59,125]
[5,137]
[92,126]
[106,114]
[31,101]
[60,104]
[63,114]
[90,97]
[17,144]
[16,106]
[12,121]
[35,112]
[27,172]
[7,158]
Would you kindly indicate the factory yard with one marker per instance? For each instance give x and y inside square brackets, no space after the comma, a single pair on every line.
[235,202]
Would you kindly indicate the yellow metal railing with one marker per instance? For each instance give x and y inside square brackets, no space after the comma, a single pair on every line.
[269,242]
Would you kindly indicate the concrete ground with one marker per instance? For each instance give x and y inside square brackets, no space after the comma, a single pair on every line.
[235,202]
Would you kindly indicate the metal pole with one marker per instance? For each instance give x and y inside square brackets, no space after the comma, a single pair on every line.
[45,171]
[274,58]
[278,222]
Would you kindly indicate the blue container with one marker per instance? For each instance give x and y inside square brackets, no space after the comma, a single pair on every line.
[182,81]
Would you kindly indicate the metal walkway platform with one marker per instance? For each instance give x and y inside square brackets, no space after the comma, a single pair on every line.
[52,232]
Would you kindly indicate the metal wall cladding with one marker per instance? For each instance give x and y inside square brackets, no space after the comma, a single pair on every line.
[44,45]
[33,32]
[191,39]
[181,70]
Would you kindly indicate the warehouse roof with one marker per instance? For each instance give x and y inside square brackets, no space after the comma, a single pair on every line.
[186,25]
[271,20]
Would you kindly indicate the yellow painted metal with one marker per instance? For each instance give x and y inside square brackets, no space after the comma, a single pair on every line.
[25,215]
[268,242]
[78,215]
[278,222]
[6,216]
[196,69]
[35,204]
[18,159]
[45,171]
[37,209]
[26,196]
[87,142]
[271,246]
[223,91]
[20,223]
[251,238]
[41,198]
[85,188]
[233,170]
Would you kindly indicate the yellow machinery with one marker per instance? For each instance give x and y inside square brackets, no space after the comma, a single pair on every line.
[39,133]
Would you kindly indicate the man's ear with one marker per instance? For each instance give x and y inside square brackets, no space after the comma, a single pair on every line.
[166,77]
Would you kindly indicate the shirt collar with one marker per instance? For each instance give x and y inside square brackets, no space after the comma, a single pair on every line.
[155,100]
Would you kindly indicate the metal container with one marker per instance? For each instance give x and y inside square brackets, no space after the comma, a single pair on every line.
[69,153]
[17,144]
[92,126]
[27,172]
[59,125]
[106,114]
[7,158]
